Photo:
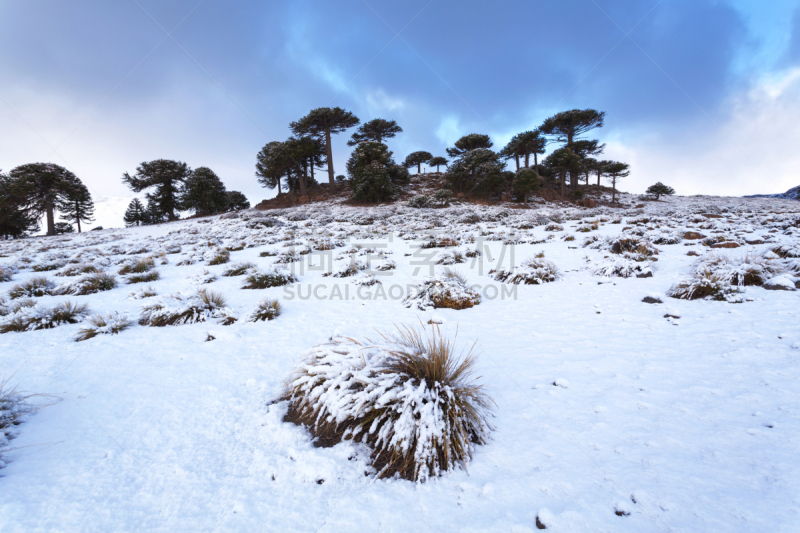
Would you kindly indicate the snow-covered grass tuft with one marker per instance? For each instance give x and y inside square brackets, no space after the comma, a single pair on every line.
[751,269]
[179,309]
[623,267]
[533,271]
[238,269]
[108,324]
[450,257]
[263,279]
[448,290]
[788,250]
[146,277]
[217,257]
[633,244]
[408,396]
[77,270]
[90,284]
[138,266]
[29,318]
[704,284]
[13,409]
[267,309]
[6,274]
[33,288]
[142,292]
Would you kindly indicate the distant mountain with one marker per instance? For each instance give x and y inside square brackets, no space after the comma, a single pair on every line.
[791,194]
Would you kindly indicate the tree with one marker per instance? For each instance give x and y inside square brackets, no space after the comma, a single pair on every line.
[479,169]
[63,228]
[325,121]
[469,142]
[168,178]
[237,201]
[376,130]
[415,159]
[77,206]
[374,175]
[135,215]
[567,126]
[598,167]
[437,162]
[298,156]
[204,193]
[16,220]
[525,182]
[616,171]
[269,166]
[560,163]
[660,189]
[41,188]
[153,212]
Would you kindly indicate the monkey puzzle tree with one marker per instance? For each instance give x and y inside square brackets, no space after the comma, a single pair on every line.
[323,122]
[204,193]
[237,201]
[561,162]
[659,189]
[470,171]
[42,187]
[168,178]
[269,166]
[16,220]
[135,215]
[567,126]
[598,167]
[371,169]
[437,162]
[415,159]
[77,206]
[469,142]
[376,130]
[616,171]
[525,182]
[300,156]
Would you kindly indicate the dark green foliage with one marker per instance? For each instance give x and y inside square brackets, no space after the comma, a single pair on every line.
[154,214]
[236,201]
[373,173]
[41,188]
[470,142]
[204,193]
[526,181]
[437,162]
[322,123]
[77,206]
[561,162]
[63,228]
[270,167]
[16,220]
[616,171]
[135,215]
[566,126]
[477,169]
[376,130]
[303,154]
[168,178]
[660,189]
[598,167]
[416,159]
[523,145]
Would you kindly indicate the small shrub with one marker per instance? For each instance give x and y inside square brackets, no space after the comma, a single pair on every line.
[179,309]
[5,274]
[634,245]
[408,396]
[38,317]
[623,267]
[534,271]
[554,227]
[420,201]
[265,310]
[270,278]
[450,257]
[108,324]
[268,253]
[238,269]
[139,266]
[448,290]
[33,288]
[705,284]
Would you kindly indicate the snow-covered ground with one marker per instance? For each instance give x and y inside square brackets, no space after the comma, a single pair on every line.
[612,414]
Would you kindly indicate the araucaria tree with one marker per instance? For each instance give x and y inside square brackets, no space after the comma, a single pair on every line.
[437,162]
[416,159]
[469,142]
[525,182]
[16,220]
[135,215]
[566,127]
[237,201]
[616,171]
[376,130]
[270,168]
[561,162]
[322,123]
[523,145]
[204,193]
[41,188]
[374,176]
[479,169]
[77,206]
[659,189]
[168,178]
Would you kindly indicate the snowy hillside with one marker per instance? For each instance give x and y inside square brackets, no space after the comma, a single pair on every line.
[643,362]
[791,194]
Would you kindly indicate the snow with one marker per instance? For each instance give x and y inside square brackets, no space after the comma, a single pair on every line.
[686,424]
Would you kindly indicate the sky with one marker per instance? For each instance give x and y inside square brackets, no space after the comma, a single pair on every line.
[699,94]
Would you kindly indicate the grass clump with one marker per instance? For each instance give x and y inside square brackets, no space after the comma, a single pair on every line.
[143,292]
[77,270]
[139,266]
[13,409]
[89,284]
[409,397]
[6,274]
[266,310]
[534,271]
[270,278]
[145,277]
[29,318]
[33,288]
[219,257]
[179,309]
[448,290]
[108,324]
[238,269]
[47,267]
[705,284]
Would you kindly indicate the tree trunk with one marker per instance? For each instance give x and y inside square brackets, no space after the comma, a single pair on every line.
[51,220]
[329,153]
[563,183]
[614,190]
[527,159]
[573,179]
[419,169]
[301,178]
[78,215]
[279,187]
[536,162]
[598,178]
[516,157]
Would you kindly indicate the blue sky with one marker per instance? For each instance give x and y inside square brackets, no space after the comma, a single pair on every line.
[699,94]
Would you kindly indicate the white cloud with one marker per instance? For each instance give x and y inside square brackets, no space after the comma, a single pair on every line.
[449,131]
